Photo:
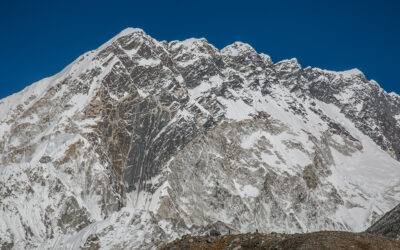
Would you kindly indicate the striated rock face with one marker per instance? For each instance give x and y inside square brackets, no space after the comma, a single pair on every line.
[388,225]
[140,142]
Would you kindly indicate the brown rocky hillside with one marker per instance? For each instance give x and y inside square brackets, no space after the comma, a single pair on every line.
[316,240]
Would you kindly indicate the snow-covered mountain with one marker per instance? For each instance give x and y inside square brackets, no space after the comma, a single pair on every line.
[139,142]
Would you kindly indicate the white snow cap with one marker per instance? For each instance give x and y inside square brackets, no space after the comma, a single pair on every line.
[130,30]
[351,72]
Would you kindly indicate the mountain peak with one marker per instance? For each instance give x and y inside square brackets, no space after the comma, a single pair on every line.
[237,48]
[130,30]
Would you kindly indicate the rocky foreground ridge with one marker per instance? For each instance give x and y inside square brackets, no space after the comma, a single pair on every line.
[140,142]
[317,240]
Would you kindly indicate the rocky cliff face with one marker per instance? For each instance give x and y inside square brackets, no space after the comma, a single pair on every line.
[388,225]
[140,141]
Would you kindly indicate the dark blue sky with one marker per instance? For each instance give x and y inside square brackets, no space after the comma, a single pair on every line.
[40,38]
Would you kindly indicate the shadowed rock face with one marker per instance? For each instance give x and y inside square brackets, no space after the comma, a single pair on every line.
[172,137]
[369,107]
[388,225]
[140,132]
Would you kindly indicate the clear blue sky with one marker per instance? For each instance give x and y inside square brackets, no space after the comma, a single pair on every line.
[40,38]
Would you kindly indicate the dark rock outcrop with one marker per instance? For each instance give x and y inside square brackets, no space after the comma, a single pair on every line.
[388,225]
